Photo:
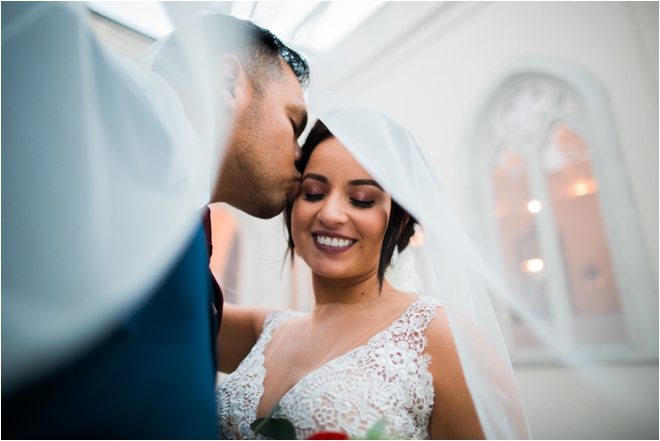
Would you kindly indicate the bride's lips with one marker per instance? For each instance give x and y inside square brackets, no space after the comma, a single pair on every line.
[330,249]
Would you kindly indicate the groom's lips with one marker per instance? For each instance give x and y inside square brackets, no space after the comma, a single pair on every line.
[295,187]
[329,249]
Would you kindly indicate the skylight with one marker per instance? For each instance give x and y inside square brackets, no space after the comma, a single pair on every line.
[315,26]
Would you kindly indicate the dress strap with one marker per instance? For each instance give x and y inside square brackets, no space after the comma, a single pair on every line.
[411,325]
[421,312]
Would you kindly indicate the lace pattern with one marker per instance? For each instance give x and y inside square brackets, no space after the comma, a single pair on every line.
[238,400]
[385,378]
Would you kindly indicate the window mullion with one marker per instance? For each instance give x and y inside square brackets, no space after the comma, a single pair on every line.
[559,291]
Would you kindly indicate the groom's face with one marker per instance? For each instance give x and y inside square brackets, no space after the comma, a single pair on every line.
[260,161]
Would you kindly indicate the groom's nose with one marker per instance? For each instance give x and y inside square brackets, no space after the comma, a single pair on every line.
[297,151]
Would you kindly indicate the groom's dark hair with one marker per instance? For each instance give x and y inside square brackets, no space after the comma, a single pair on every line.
[400,226]
[258,50]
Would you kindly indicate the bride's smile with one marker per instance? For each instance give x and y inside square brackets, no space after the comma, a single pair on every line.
[339,219]
[331,242]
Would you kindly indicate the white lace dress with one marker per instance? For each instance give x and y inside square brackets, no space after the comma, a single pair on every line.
[387,378]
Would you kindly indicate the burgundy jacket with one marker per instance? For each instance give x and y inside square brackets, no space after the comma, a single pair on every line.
[218,299]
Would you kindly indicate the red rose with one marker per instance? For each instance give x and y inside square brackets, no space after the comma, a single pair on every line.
[329,435]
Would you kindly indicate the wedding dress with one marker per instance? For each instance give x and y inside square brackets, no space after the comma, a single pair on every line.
[386,378]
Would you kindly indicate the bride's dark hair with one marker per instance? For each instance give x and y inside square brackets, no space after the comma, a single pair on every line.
[400,226]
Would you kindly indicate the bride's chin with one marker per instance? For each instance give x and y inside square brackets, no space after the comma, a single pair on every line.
[331,272]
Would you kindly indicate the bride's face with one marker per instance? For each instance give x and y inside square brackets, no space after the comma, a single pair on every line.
[339,219]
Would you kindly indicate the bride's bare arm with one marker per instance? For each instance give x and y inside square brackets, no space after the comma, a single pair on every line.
[454,415]
[239,330]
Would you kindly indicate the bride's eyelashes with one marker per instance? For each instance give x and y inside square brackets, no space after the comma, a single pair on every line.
[314,197]
[362,204]
[362,199]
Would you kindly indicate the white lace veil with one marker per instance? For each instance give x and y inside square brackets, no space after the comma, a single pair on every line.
[444,264]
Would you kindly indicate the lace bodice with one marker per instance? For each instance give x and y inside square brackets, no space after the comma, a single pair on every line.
[387,378]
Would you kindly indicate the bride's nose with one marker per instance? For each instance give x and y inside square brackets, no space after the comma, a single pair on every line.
[333,211]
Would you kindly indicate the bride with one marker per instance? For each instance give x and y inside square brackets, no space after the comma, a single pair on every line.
[367,351]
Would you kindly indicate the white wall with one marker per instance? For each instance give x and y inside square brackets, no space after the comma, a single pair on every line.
[563,403]
[428,66]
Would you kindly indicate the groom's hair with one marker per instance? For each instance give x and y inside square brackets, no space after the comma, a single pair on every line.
[400,226]
[258,50]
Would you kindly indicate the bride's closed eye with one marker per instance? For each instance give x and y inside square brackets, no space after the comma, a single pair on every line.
[362,204]
[313,197]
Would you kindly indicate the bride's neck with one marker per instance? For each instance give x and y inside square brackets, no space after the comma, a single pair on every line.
[348,292]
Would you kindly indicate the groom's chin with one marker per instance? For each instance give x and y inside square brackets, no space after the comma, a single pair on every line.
[269,209]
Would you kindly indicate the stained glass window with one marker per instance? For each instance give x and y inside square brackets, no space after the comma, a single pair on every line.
[551,235]
[595,304]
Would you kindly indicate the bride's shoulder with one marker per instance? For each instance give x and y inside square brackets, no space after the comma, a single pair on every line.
[438,331]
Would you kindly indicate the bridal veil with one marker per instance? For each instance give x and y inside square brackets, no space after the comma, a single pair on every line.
[104,192]
[441,261]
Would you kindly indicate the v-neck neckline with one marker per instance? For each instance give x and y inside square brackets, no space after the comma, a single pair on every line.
[327,363]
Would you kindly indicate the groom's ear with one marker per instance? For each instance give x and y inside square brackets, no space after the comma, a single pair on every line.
[232,85]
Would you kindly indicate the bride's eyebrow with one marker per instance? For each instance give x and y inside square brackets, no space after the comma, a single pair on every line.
[315,177]
[354,182]
[365,182]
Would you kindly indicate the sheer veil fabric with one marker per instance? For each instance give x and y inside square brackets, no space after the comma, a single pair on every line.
[180,61]
[444,264]
[123,162]
[104,168]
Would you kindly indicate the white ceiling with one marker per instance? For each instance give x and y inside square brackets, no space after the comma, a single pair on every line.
[311,27]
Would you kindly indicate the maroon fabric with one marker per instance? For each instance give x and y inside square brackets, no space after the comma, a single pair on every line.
[217,291]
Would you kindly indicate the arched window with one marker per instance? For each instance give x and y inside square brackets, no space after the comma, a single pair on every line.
[549,187]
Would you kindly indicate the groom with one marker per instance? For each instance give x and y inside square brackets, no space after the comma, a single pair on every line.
[153,376]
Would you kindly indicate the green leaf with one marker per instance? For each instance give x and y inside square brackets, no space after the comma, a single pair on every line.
[376,432]
[275,428]
[256,424]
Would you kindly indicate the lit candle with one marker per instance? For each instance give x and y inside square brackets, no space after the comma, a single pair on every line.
[532,265]
[534,206]
[581,189]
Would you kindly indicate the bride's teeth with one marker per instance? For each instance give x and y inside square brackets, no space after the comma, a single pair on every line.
[333,242]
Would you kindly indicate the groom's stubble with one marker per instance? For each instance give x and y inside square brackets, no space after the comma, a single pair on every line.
[249,171]
[259,174]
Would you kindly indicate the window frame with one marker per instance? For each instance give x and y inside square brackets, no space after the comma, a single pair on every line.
[637,288]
